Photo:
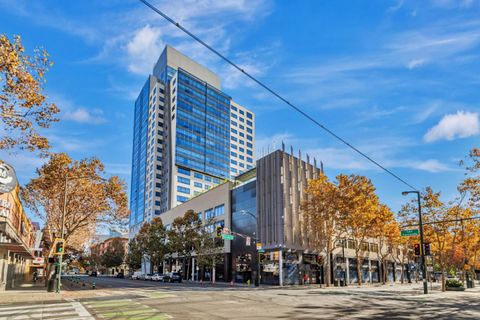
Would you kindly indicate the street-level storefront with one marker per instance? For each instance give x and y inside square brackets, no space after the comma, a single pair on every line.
[16,242]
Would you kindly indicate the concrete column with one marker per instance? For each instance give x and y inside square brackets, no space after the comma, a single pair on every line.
[193,269]
[347,269]
[370,270]
[3,269]
[280,268]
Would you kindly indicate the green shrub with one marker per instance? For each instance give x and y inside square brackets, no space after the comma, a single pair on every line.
[454,283]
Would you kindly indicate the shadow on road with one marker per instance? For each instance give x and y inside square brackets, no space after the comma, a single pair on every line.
[368,307]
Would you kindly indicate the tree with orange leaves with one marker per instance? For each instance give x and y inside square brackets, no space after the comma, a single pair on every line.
[437,226]
[90,198]
[320,212]
[357,206]
[23,106]
[387,233]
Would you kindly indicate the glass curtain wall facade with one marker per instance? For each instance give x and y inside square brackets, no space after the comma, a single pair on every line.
[203,118]
[244,213]
[186,147]
[139,156]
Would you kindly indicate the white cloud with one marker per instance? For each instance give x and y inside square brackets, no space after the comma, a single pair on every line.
[412,64]
[70,111]
[431,165]
[83,115]
[452,126]
[396,7]
[425,112]
[143,49]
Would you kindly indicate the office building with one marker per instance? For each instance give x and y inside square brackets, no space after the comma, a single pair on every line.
[188,137]
[263,206]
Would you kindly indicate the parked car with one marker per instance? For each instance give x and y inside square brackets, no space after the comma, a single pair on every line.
[173,277]
[135,275]
[141,276]
[93,274]
[158,277]
[120,275]
[148,276]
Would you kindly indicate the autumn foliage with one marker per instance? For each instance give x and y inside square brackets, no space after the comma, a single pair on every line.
[90,198]
[23,106]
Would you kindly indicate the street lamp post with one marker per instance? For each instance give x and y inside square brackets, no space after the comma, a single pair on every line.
[62,232]
[257,238]
[422,242]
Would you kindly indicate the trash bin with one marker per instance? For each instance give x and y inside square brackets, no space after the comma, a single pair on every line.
[469,284]
[51,285]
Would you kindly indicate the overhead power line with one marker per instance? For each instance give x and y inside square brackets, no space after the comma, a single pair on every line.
[443,221]
[306,115]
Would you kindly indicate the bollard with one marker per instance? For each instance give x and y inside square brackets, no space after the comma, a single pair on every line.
[93,285]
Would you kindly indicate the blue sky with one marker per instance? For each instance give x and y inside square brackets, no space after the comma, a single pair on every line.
[398,79]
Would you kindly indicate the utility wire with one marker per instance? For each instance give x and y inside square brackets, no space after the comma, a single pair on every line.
[166,17]
[442,221]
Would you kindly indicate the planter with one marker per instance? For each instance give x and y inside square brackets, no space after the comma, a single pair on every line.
[455,288]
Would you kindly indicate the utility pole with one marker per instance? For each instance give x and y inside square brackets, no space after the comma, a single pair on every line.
[60,257]
[422,242]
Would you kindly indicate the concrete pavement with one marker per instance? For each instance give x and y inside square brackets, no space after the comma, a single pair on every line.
[135,299]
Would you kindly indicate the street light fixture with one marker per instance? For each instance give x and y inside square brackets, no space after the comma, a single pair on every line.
[257,239]
[422,243]
[62,233]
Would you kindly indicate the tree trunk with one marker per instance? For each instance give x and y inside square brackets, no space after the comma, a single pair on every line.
[359,271]
[402,270]
[213,271]
[442,267]
[328,266]
[384,271]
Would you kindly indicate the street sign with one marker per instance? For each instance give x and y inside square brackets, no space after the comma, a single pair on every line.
[409,232]
[261,251]
[430,268]
[8,178]
[259,246]
[227,237]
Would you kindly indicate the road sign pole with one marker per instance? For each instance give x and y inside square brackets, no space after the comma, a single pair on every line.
[422,243]
[59,276]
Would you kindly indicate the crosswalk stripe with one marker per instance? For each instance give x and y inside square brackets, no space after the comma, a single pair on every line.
[56,309]
[65,315]
[70,310]
[32,306]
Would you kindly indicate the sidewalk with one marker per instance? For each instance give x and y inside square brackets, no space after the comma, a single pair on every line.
[29,292]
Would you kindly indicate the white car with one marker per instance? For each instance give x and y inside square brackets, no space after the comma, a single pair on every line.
[158,277]
[148,276]
[136,275]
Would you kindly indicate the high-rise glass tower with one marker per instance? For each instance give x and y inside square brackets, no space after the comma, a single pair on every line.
[188,137]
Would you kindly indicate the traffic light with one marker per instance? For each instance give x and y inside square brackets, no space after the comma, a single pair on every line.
[416,248]
[427,249]
[218,232]
[59,249]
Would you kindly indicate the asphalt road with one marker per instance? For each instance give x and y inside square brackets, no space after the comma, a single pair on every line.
[123,299]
